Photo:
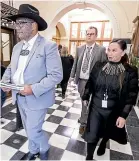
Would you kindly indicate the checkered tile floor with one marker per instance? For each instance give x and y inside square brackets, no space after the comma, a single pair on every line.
[62,127]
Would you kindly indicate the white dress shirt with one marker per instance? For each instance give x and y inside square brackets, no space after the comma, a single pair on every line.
[86,74]
[18,77]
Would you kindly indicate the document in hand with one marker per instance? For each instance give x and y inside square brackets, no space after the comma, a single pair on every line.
[11,86]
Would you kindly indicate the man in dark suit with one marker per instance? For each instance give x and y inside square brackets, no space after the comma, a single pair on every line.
[86,57]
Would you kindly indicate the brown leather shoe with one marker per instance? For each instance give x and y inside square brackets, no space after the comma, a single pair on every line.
[81,130]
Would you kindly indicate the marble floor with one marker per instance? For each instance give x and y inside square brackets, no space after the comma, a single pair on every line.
[61,124]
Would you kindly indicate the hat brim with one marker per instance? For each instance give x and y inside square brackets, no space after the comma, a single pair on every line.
[42,24]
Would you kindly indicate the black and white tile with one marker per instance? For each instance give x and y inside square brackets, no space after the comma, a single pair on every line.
[61,126]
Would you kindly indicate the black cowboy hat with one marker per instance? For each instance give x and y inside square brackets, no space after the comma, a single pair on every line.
[28,11]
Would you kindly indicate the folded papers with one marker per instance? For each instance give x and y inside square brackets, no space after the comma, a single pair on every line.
[11,86]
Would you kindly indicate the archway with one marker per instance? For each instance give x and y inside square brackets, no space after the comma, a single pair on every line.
[94,4]
[61,29]
[60,33]
[57,36]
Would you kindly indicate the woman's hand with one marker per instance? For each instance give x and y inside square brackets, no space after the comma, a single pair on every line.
[120,122]
[71,80]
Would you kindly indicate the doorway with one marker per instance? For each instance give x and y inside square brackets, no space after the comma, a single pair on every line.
[6,46]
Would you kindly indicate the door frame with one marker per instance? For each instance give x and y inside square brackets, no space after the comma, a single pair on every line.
[11,39]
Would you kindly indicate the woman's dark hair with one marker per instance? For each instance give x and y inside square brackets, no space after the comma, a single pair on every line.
[125,59]
[121,43]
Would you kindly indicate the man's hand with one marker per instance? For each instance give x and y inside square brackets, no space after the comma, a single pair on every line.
[85,103]
[120,122]
[27,90]
[6,89]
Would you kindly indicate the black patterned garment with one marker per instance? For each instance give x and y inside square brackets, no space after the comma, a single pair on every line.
[122,90]
[111,83]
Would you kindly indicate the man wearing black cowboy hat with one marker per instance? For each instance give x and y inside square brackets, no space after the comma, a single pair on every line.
[36,65]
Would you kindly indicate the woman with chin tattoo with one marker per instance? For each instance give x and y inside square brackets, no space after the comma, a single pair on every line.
[112,90]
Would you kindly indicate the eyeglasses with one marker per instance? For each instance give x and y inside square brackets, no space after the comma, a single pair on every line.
[90,34]
[21,23]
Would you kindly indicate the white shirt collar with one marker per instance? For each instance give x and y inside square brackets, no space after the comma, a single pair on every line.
[91,45]
[32,41]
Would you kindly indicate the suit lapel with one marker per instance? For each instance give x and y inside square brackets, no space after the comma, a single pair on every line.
[35,46]
[16,55]
[94,54]
[82,54]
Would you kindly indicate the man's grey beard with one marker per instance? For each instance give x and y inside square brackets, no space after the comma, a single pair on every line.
[27,29]
[25,36]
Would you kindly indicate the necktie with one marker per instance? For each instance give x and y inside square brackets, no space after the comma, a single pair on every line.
[86,60]
[24,51]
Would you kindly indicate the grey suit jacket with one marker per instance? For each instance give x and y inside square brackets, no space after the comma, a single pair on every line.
[43,71]
[99,54]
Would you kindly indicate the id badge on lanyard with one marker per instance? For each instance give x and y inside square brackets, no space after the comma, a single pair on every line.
[105,100]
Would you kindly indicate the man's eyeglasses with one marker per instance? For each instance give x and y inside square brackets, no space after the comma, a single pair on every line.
[90,34]
[21,23]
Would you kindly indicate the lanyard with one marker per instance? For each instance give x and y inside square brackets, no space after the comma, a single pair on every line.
[106,88]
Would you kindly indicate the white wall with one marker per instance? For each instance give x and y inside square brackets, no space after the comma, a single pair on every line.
[87,14]
[65,42]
